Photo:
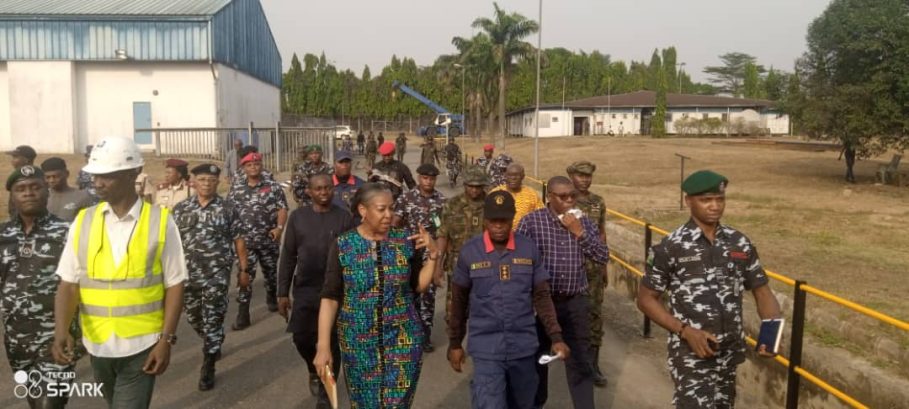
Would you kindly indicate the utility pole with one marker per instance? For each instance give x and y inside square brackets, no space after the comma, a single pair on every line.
[679,73]
[536,111]
[682,180]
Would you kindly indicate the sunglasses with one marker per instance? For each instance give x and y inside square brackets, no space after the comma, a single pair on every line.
[565,196]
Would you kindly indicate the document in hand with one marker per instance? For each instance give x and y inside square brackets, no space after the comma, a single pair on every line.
[771,333]
[331,387]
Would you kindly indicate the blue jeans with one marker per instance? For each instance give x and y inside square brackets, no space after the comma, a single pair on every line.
[503,384]
[126,385]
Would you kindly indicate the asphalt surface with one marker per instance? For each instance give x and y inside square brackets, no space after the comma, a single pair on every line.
[261,368]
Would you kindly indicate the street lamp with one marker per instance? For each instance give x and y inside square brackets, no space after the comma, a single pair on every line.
[681,64]
[463,96]
[536,111]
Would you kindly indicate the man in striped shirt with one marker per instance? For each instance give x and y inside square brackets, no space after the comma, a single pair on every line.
[564,241]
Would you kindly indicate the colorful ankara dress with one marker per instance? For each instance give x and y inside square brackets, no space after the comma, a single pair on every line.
[378,327]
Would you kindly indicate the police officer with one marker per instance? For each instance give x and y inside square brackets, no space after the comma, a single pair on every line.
[176,187]
[495,167]
[313,166]
[263,213]
[705,266]
[400,146]
[462,218]
[393,169]
[30,249]
[210,230]
[422,207]
[371,148]
[345,183]
[502,281]
[361,141]
[594,207]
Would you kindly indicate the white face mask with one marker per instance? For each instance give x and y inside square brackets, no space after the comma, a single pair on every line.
[577,213]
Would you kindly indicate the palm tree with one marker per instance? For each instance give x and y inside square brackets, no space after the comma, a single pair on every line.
[476,55]
[506,32]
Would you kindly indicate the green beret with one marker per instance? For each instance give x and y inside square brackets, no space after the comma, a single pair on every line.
[25,172]
[476,176]
[704,181]
[583,167]
[314,148]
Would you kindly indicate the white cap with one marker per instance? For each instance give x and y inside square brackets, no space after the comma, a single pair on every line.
[114,154]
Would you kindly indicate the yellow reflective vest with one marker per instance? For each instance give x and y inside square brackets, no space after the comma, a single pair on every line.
[126,299]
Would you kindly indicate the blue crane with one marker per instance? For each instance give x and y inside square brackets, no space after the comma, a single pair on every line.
[445,124]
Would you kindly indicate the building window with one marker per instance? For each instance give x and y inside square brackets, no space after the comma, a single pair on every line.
[555,119]
[705,116]
[624,116]
[635,116]
[685,115]
[725,117]
[668,117]
[544,120]
[613,116]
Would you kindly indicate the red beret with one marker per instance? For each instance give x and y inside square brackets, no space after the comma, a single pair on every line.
[175,163]
[387,148]
[489,147]
[252,156]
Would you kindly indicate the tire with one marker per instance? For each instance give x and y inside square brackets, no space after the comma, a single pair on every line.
[431,131]
[454,132]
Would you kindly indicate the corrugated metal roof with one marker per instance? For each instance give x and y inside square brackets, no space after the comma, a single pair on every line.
[111,7]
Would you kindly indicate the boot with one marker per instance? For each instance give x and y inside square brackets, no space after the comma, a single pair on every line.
[207,376]
[598,378]
[242,321]
[272,300]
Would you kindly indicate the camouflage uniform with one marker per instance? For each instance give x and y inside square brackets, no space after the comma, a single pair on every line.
[258,208]
[371,150]
[400,147]
[84,182]
[452,154]
[495,168]
[28,284]
[208,234]
[417,210]
[429,154]
[594,207]
[462,219]
[301,173]
[239,179]
[705,283]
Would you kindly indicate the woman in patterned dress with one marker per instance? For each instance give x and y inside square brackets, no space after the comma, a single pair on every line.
[368,297]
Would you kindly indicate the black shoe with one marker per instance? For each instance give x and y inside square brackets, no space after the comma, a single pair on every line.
[218,355]
[242,321]
[207,376]
[315,385]
[272,302]
[599,380]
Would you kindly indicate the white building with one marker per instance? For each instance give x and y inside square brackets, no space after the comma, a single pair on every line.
[632,113]
[75,71]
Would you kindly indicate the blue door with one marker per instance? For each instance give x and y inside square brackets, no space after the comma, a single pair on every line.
[142,120]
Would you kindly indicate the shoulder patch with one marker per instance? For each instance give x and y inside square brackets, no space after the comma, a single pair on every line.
[481,265]
[522,261]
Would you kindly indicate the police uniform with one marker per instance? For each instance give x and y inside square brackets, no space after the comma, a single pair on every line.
[417,210]
[495,167]
[208,234]
[502,289]
[28,286]
[452,154]
[303,171]
[705,282]
[258,207]
[461,219]
[594,207]
[400,147]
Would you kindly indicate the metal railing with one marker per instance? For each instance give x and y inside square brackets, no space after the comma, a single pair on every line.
[795,372]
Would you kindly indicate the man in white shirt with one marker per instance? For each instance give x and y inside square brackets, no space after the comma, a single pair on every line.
[128,290]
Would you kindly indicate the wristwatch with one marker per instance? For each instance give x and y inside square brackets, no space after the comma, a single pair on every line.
[169,338]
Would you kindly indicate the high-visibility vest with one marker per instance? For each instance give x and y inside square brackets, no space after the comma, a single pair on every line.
[125,299]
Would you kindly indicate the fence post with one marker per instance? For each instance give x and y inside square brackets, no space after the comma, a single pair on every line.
[278,146]
[544,193]
[795,346]
[648,242]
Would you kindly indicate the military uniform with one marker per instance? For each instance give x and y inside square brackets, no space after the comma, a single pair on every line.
[417,210]
[400,147]
[400,173]
[452,154]
[371,149]
[258,208]
[705,282]
[208,234]
[28,284]
[301,176]
[169,196]
[428,154]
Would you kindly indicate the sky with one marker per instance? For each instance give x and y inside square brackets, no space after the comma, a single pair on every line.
[368,32]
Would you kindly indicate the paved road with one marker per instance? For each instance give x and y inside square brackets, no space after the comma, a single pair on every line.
[261,368]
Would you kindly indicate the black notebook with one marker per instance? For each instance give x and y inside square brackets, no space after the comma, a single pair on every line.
[771,334]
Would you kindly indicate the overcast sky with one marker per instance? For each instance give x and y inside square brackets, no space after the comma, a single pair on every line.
[368,32]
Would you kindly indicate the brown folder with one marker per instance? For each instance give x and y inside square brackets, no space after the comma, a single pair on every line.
[331,387]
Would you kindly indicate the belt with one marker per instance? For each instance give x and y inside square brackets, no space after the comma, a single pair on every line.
[563,297]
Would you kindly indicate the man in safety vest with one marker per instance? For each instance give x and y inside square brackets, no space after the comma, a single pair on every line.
[123,267]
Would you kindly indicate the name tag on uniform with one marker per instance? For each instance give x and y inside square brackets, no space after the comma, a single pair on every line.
[689,259]
[504,272]
[522,261]
[481,265]
[738,255]
[475,221]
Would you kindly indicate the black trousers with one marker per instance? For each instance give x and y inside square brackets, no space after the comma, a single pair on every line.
[574,315]
[304,324]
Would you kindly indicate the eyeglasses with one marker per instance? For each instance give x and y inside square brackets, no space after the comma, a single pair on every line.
[565,196]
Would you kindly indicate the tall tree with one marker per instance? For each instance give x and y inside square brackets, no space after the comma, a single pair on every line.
[506,32]
[658,122]
[775,85]
[751,84]
[729,77]
[857,74]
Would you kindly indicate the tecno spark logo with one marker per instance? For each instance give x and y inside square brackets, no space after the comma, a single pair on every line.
[53,384]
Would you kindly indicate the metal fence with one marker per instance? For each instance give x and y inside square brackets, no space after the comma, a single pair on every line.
[279,146]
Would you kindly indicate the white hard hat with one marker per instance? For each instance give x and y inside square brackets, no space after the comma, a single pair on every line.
[114,154]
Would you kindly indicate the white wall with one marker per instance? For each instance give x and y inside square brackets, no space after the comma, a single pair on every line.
[5,137]
[243,99]
[106,92]
[40,105]
[778,123]
[620,122]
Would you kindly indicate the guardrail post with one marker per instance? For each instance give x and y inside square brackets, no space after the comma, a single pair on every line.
[795,346]
[544,192]
[648,242]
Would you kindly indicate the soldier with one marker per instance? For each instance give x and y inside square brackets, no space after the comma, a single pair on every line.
[263,212]
[176,186]
[313,166]
[498,269]
[462,218]
[380,139]
[526,199]
[594,207]
[239,178]
[495,167]
[371,149]
[304,255]
[400,147]
[211,231]
[452,153]
[395,170]
[361,141]
[705,267]
[64,201]
[30,248]
[422,207]
[429,154]
[485,161]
